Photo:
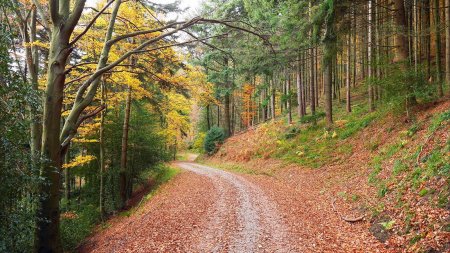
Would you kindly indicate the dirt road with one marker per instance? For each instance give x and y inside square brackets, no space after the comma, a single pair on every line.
[210,210]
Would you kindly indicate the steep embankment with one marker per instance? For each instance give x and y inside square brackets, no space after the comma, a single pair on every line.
[391,171]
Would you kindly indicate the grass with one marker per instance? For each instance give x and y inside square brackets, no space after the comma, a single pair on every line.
[311,144]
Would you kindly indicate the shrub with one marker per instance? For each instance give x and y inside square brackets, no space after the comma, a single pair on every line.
[213,138]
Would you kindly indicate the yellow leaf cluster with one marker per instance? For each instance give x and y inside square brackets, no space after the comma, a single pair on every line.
[79,161]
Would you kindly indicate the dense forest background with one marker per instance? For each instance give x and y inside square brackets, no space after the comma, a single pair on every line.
[94,100]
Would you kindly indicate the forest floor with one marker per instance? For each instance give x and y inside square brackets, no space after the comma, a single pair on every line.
[245,200]
[204,209]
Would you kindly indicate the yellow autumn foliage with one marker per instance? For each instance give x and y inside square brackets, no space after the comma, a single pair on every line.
[79,161]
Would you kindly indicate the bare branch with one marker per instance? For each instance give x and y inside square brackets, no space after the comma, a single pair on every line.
[177,44]
[91,23]
[134,34]
[78,65]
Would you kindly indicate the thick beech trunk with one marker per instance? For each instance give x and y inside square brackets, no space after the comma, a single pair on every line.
[48,237]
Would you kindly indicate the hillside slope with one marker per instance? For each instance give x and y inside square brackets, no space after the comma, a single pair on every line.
[391,171]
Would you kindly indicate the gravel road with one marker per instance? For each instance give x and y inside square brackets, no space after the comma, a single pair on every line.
[243,219]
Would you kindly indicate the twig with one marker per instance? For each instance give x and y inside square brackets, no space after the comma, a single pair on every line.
[347,219]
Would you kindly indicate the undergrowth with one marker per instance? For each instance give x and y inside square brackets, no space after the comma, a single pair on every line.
[311,144]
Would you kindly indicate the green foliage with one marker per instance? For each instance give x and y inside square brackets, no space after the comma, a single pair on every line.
[401,88]
[199,142]
[354,125]
[78,224]
[20,179]
[291,133]
[214,137]
[312,118]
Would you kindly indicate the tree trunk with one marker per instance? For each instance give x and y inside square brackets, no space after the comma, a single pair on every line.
[67,178]
[288,93]
[427,33]
[208,121]
[102,151]
[48,237]
[347,79]
[401,45]
[369,57]
[329,52]
[300,111]
[447,41]
[123,159]
[272,98]
[312,83]
[437,22]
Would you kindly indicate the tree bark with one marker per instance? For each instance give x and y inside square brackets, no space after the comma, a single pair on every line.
[347,79]
[123,158]
[288,93]
[447,41]
[208,121]
[102,151]
[300,111]
[47,233]
[427,33]
[329,52]
[437,33]
[369,57]
[272,98]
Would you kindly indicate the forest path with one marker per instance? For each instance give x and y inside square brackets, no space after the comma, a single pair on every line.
[242,218]
[202,210]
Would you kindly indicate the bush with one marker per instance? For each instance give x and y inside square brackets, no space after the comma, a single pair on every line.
[77,225]
[213,138]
